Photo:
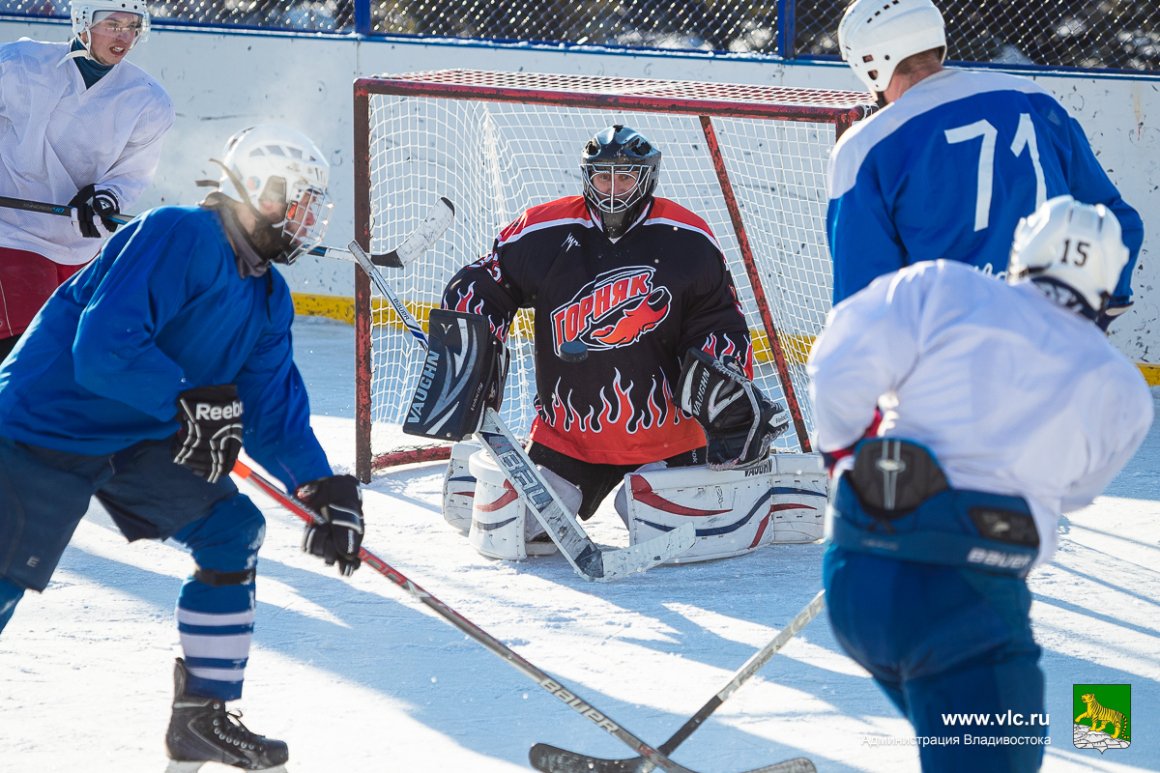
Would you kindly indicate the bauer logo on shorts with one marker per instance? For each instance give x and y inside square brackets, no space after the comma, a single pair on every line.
[613,310]
[1103,716]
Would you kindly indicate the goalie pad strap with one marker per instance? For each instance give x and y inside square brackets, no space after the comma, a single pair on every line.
[462,375]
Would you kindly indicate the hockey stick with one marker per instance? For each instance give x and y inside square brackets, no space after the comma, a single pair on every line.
[553,686]
[588,559]
[434,224]
[553,759]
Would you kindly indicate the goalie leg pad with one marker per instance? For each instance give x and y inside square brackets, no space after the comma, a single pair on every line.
[781,500]
[462,375]
[501,526]
[739,421]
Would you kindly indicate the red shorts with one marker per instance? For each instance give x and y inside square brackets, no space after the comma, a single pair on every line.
[26,281]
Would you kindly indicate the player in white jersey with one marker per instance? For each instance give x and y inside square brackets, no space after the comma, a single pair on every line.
[77,125]
[954,158]
[1002,405]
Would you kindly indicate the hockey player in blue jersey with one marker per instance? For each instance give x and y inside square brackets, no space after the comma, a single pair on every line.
[952,160]
[1003,406]
[139,382]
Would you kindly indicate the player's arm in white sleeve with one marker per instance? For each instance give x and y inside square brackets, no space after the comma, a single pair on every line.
[128,178]
[1118,431]
[869,344]
[864,243]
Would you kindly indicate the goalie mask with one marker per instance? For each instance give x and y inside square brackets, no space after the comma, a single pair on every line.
[86,13]
[1066,243]
[282,175]
[874,36]
[620,169]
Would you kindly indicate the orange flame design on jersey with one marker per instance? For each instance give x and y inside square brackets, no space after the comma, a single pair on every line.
[617,410]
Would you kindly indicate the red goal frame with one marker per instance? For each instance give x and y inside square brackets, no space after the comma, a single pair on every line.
[707,101]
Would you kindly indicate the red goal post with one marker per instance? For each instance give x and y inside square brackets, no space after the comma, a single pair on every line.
[750,159]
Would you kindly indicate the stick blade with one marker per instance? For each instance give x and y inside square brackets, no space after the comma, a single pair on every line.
[620,562]
[553,759]
[435,223]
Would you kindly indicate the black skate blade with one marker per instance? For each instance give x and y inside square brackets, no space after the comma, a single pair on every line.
[179,766]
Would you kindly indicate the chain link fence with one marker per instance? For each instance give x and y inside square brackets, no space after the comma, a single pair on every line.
[1090,34]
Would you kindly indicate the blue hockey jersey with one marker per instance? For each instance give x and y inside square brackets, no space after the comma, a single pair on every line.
[948,169]
[162,309]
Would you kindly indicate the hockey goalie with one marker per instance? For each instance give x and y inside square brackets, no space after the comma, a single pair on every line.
[643,369]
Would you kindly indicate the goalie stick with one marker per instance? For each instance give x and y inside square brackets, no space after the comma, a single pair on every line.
[590,561]
[553,759]
[435,223]
[554,687]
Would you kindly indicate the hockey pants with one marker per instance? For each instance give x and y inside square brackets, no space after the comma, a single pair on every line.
[44,494]
[944,641]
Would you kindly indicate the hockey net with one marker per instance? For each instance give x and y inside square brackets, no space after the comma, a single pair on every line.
[751,160]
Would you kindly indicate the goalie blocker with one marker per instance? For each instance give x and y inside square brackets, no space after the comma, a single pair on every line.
[739,421]
[462,375]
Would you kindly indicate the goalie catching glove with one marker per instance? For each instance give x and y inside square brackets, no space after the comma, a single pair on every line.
[210,436]
[739,421]
[463,374]
[338,500]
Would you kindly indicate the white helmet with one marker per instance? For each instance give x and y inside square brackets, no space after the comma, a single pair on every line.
[85,13]
[875,35]
[1066,242]
[274,163]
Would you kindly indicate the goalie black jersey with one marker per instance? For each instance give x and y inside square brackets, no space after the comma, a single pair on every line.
[637,305]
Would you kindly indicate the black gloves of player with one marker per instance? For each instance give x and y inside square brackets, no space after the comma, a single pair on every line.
[739,421]
[339,501]
[210,437]
[94,212]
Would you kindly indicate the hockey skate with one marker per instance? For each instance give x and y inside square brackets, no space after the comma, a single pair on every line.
[201,731]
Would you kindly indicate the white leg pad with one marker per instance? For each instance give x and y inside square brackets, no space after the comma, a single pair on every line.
[501,526]
[459,486]
[781,500]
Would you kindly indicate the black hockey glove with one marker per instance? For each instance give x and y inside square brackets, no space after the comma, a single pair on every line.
[210,437]
[339,501]
[739,421]
[1108,315]
[94,212]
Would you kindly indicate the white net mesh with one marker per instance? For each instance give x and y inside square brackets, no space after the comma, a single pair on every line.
[494,159]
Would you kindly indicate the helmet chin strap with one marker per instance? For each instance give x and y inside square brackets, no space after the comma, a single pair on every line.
[269,242]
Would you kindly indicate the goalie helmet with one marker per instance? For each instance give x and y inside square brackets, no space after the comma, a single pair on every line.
[1068,243]
[613,154]
[86,13]
[275,165]
[875,35]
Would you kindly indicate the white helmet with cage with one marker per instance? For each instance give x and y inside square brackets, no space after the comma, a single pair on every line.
[875,35]
[86,13]
[1068,243]
[271,164]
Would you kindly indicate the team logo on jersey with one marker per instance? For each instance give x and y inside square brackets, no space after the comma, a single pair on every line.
[570,241]
[613,310]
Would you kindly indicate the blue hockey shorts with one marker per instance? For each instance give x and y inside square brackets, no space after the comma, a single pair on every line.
[952,649]
[45,493]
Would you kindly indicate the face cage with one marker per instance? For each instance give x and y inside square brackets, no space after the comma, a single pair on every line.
[617,201]
[305,224]
[103,14]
